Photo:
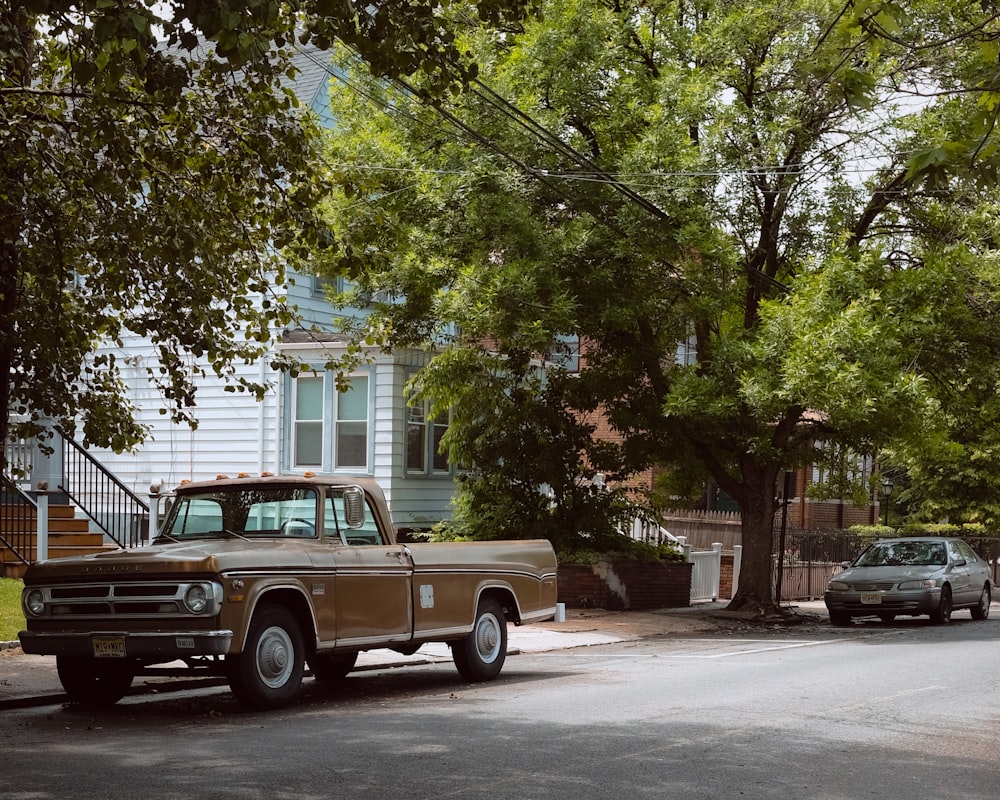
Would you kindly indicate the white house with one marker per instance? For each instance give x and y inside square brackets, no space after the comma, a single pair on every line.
[304,423]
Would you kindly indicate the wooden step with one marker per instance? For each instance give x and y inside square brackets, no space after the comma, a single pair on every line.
[68,536]
[13,569]
[61,518]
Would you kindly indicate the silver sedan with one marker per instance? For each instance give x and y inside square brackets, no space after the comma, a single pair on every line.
[911,577]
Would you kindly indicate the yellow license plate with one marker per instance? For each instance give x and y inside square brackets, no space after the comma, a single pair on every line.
[109,646]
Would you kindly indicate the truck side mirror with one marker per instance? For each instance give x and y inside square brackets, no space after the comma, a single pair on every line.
[354,506]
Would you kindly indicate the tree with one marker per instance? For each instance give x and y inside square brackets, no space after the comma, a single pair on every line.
[157,178]
[770,189]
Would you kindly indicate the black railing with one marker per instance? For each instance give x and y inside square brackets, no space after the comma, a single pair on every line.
[18,519]
[109,503]
[811,558]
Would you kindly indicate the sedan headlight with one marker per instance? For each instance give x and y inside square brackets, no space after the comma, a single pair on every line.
[196,598]
[838,586]
[34,602]
[929,583]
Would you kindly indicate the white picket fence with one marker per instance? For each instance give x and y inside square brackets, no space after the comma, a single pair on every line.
[706,574]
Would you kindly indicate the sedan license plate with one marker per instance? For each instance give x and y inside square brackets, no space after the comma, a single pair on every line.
[871,598]
[109,646]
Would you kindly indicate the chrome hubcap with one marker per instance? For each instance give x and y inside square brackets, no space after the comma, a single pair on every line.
[274,657]
[488,638]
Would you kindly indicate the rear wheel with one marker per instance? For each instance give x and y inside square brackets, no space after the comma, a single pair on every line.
[332,667]
[480,655]
[268,672]
[982,609]
[94,682]
[942,614]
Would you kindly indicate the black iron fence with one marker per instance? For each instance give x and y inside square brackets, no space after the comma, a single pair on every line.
[809,559]
[18,519]
[112,506]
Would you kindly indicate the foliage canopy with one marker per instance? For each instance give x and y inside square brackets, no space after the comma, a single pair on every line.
[156,180]
[770,226]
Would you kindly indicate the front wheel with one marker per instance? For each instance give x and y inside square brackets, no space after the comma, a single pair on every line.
[268,672]
[840,619]
[982,609]
[480,655]
[94,682]
[942,614]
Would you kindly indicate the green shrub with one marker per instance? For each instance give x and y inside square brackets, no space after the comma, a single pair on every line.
[625,550]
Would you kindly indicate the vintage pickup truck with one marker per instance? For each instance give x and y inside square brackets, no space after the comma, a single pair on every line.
[256,577]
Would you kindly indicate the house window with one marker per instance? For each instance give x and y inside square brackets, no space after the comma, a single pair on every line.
[416,439]
[308,425]
[322,285]
[423,442]
[351,445]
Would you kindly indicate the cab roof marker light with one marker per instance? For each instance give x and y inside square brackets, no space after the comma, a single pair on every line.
[221,477]
[267,474]
[308,474]
[243,475]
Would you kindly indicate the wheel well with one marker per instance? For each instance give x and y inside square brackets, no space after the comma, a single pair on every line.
[298,605]
[505,597]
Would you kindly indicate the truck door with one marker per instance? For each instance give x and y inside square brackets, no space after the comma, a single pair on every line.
[372,594]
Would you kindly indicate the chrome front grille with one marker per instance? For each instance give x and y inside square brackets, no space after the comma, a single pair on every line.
[125,600]
[873,586]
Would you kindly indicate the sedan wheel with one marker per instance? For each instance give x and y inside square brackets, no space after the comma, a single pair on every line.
[942,616]
[982,609]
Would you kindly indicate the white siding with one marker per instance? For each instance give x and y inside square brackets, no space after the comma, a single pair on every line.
[238,434]
[235,432]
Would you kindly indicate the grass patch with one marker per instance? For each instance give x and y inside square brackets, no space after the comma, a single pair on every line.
[11,618]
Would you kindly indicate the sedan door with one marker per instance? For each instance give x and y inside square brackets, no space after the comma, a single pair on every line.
[965,586]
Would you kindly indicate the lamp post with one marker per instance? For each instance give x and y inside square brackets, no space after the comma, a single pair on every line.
[887,493]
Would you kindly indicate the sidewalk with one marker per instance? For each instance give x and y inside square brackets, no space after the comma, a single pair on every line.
[29,680]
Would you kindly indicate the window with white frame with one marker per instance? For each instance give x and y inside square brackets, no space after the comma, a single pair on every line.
[307,427]
[351,445]
[329,428]
[423,442]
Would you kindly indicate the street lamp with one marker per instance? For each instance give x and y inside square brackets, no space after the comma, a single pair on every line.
[887,493]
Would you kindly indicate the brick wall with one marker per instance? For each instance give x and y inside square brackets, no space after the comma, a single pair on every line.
[726,576]
[625,585]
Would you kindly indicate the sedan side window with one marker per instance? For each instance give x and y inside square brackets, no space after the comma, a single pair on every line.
[967,552]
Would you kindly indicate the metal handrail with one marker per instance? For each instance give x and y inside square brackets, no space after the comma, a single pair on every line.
[18,516]
[108,502]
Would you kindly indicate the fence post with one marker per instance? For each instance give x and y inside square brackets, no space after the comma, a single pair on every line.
[42,526]
[737,561]
[717,561]
[153,521]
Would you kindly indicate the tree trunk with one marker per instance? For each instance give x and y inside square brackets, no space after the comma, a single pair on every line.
[757,506]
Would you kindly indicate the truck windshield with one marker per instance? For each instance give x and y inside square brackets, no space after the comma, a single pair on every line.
[243,512]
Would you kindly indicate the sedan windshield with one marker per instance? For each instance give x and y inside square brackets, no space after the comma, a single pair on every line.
[892,554]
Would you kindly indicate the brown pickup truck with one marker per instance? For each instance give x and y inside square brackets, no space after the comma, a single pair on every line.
[254,578]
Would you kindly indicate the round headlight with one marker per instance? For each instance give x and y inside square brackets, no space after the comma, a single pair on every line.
[34,602]
[196,598]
